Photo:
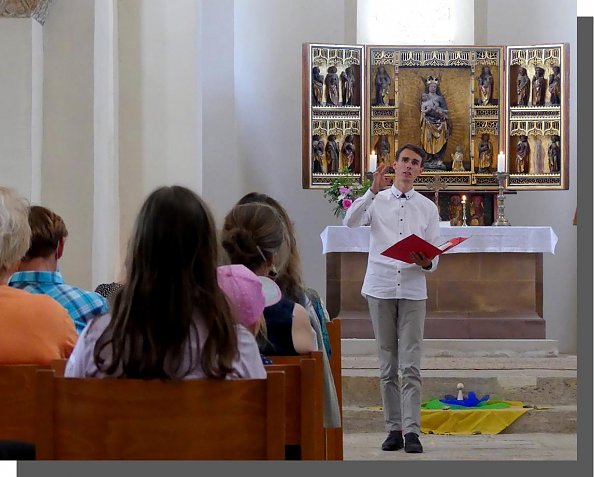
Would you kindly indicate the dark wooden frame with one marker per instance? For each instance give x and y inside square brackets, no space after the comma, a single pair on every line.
[535,180]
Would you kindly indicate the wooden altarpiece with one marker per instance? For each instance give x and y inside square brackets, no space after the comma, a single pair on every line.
[363,99]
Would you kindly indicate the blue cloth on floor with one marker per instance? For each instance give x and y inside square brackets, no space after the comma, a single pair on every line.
[470,401]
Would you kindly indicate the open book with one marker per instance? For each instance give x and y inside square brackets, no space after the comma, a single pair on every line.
[413,243]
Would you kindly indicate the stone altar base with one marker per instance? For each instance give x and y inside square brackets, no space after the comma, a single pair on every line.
[470,296]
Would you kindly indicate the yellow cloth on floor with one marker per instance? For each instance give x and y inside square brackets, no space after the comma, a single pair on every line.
[469,421]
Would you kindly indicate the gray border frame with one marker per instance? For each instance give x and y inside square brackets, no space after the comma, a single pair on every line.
[583,467]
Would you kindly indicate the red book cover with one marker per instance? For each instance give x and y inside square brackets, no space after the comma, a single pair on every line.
[413,243]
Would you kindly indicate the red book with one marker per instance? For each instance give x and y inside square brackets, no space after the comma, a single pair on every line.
[413,243]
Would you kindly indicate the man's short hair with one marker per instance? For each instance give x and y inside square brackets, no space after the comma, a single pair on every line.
[14,227]
[47,229]
[415,148]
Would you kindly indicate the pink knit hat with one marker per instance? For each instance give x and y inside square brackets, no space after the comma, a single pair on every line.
[247,293]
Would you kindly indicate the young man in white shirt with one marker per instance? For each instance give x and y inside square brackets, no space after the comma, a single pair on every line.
[396,291]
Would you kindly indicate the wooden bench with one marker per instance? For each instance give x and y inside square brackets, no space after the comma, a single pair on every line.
[59,366]
[334,437]
[123,419]
[303,402]
[17,402]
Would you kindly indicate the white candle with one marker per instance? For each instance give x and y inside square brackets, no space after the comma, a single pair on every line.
[501,162]
[464,199]
[372,162]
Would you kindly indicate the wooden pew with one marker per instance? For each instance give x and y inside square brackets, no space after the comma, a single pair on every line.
[303,402]
[334,437]
[59,366]
[17,402]
[129,419]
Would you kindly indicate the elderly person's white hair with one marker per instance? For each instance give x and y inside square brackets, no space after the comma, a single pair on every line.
[15,232]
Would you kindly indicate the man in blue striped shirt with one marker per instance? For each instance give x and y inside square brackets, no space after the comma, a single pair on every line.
[38,272]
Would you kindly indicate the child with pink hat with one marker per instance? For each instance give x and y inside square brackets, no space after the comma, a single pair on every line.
[248,293]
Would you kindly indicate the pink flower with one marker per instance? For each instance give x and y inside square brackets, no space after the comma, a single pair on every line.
[344,190]
[346,203]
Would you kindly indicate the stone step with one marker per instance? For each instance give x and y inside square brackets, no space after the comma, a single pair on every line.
[560,419]
[530,380]
[464,348]
[531,390]
[549,384]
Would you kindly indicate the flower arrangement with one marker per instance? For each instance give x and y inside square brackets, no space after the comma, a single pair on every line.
[344,190]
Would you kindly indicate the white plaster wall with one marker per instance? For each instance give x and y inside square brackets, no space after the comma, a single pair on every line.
[106,223]
[546,22]
[160,100]
[36,132]
[19,95]
[432,22]
[268,39]
[222,166]
[68,145]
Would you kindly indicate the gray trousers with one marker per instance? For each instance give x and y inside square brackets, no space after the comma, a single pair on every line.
[398,328]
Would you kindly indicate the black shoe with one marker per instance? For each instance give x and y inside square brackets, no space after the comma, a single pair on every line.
[393,442]
[412,443]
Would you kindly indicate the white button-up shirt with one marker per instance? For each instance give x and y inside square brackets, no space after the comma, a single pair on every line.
[394,216]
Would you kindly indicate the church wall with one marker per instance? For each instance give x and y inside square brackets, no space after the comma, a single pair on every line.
[223,168]
[20,94]
[160,100]
[268,39]
[68,142]
[541,22]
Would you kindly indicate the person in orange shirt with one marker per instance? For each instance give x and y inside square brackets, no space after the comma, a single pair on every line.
[35,328]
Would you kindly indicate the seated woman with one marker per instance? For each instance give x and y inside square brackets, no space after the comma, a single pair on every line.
[290,282]
[255,236]
[170,320]
[289,278]
[36,329]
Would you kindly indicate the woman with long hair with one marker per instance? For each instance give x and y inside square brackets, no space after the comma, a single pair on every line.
[291,285]
[254,235]
[170,320]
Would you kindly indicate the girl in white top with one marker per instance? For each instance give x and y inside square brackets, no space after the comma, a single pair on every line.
[170,320]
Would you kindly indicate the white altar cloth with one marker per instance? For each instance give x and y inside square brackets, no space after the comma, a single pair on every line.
[337,238]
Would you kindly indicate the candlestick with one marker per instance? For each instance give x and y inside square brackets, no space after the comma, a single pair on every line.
[501,162]
[501,220]
[464,224]
[372,162]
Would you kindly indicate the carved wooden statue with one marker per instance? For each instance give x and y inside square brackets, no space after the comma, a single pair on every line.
[348,152]
[485,158]
[555,85]
[523,87]
[348,86]
[382,149]
[332,153]
[539,87]
[522,155]
[317,87]
[555,155]
[332,82]
[485,83]
[382,86]
[318,155]
[458,160]
[435,125]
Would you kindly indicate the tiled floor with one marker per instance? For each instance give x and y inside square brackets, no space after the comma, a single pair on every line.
[500,447]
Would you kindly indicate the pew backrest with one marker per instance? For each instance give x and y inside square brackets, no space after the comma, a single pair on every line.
[129,419]
[334,437]
[303,402]
[17,402]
